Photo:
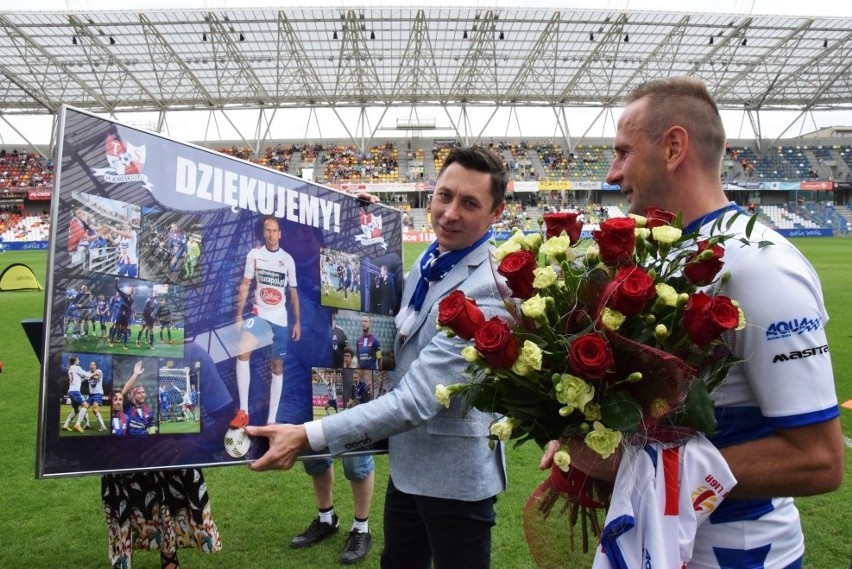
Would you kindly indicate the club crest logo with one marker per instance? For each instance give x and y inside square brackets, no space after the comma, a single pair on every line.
[126,162]
[371,229]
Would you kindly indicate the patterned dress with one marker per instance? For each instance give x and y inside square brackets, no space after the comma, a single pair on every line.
[159,510]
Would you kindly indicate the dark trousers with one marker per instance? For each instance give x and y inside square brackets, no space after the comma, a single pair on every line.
[420,530]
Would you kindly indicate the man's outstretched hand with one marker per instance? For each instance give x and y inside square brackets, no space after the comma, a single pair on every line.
[286,442]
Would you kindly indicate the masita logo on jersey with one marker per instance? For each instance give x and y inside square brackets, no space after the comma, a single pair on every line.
[794,327]
[800,354]
[126,161]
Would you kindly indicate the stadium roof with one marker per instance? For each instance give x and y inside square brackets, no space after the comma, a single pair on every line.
[108,62]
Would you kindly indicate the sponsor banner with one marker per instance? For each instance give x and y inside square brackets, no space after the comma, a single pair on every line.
[548,185]
[810,232]
[354,188]
[418,236]
[524,186]
[824,185]
[39,195]
[741,185]
[785,186]
[168,261]
[843,185]
[25,245]
[585,185]
[505,235]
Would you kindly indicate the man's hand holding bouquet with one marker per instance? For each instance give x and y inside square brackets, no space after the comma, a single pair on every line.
[613,342]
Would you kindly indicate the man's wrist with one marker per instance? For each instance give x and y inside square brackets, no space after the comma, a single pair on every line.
[315,434]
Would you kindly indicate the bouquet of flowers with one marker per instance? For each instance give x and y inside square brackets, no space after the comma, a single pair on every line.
[618,340]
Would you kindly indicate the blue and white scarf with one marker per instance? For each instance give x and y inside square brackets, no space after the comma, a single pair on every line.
[434,266]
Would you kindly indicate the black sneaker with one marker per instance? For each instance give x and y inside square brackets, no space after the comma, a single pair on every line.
[357,546]
[315,533]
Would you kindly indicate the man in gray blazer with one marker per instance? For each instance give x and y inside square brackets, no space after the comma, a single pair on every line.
[444,478]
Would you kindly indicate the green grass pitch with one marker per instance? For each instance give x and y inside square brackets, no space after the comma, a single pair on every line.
[52,523]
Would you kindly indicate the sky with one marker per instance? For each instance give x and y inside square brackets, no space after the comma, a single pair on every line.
[201,126]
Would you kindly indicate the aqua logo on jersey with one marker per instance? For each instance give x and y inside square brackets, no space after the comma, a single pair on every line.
[794,327]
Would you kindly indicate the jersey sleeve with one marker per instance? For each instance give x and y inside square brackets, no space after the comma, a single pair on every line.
[786,360]
[248,271]
[291,273]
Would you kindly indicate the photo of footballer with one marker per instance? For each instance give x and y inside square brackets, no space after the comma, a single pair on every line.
[85,380]
[340,275]
[178,396]
[103,235]
[170,247]
[105,314]
[135,382]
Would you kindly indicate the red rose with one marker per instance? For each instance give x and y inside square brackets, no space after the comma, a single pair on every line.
[657,217]
[702,273]
[518,269]
[495,343]
[634,288]
[565,221]
[616,240]
[460,314]
[590,357]
[706,317]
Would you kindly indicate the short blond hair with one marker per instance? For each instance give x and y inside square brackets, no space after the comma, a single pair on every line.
[685,102]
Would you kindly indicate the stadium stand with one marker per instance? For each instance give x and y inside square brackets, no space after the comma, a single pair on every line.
[783,218]
[22,171]
[378,165]
[25,228]
[535,159]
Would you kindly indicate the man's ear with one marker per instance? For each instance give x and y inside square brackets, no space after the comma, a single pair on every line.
[498,211]
[676,144]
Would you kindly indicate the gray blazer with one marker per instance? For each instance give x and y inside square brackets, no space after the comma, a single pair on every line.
[434,451]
